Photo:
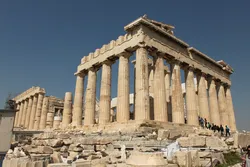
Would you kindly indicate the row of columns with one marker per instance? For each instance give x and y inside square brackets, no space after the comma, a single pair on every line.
[32,112]
[215,107]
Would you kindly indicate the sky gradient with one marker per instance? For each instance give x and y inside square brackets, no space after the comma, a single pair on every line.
[42,42]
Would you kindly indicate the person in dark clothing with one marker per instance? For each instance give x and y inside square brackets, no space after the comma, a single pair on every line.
[221,130]
[218,128]
[205,120]
[227,131]
[202,122]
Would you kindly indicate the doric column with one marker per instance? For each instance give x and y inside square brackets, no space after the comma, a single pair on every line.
[17,115]
[191,105]
[78,100]
[202,97]
[89,117]
[177,97]
[112,115]
[230,109]
[27,119]
[67,110]
[222,105]
[24,113]
[123,114]
[167,87]
[20,114]
[105,93]
[213,102]
[44,112]
[38,111]
[33,112]
[160,109]
[142,111]
[151,91]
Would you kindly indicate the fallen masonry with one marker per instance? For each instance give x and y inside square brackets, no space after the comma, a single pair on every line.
[145,143]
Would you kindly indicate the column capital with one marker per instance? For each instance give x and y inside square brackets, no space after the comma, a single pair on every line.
[108,62]
[210,78]
[125,54]
[175,61]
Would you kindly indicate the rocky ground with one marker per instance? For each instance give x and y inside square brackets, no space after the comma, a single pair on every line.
[133,144]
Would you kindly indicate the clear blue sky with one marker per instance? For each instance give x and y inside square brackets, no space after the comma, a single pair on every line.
[42,42]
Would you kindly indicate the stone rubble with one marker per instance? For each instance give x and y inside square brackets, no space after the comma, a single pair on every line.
[118,148]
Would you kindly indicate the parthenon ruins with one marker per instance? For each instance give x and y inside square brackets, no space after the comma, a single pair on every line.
[160,57]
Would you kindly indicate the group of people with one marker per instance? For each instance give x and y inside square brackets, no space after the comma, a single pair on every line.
[205,124]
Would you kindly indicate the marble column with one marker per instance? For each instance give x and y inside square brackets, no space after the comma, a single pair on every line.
[78,100]
[167,87]
[33,112]
[213,102]
[105,94]
[151,92]
[123,114]
[38,111]
[20,114]
[44,112]
[191,105]
[90,101]
[67,110]
[224,119]
[112,115]
[142,111]
[230,108]
[177,97]
[160,107]
[17,115]
[27,119]
[50,119]
[202,97]
[24,113]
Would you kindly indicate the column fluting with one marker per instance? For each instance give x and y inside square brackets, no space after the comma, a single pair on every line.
[78,100]
[123,113]
[213,102]
[177,97]
[44,112]
[90,101]
[33,112]
[191,105]
[230,109]
[38,111]
[67,110]
[160,108]
[142,111]
[105,93]
[27,119]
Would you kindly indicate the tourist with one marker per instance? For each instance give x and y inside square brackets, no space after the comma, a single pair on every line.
[208,125]
[205,120]
[221,130]
[227,131]
[202,122]
[246,158]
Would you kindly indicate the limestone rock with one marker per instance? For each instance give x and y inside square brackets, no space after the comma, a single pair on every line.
[204,132]
[174,134]
[56,157]
[183,158]
[42,150]
[229,141]
[146,159]
[67,141]
[214,142]
[55,142]
[195,160]
[192,141]
[45,135]
[163,134]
